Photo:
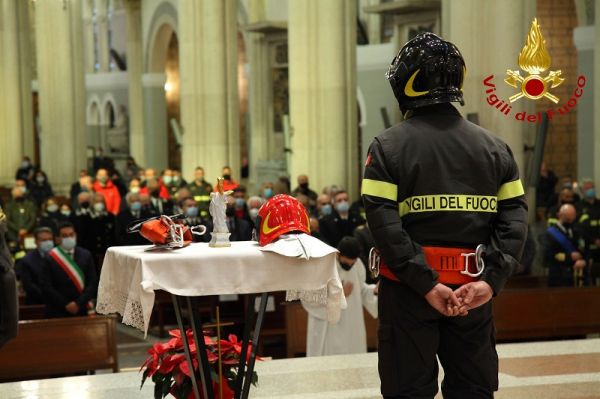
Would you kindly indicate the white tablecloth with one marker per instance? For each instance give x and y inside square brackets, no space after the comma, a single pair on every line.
[130,275]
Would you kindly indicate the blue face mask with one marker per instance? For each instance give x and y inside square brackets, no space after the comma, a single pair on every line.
[590,193]
[342,207]
[268,193]
[46,246]
[68,243]
[192,212]
[239,203]
[135,206]
[326,210]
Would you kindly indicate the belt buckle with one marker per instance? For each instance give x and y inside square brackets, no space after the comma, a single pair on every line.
[479,264]
[374,261]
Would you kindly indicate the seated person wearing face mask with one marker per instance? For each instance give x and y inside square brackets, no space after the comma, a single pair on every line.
[103,229]
[30,267]
[341,222]
[104,185]
[189,208]
[349,334]
[51,215]
[69,281]
[133,211]
[240,229]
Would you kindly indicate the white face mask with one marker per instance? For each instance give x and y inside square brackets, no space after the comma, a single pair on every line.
[134,190]
[253,213]
[99,207]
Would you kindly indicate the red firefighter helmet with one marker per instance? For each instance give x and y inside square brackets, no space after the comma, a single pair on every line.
[280,215]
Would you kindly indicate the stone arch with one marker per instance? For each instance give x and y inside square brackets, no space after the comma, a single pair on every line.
[93,111]
[162,27]
[109,105]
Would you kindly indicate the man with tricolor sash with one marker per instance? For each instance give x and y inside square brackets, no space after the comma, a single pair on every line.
[448,216]
[70,278]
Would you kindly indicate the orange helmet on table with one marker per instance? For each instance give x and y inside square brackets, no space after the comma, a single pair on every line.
[280,215]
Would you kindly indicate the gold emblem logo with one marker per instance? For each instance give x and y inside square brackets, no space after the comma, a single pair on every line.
[534,59]
[408,88]
[265,228]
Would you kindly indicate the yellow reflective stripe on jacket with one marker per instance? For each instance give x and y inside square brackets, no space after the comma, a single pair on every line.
[449,202]
[510,190]
[583,218]
[551,221]
[380,189]
[594,223]
[202,198]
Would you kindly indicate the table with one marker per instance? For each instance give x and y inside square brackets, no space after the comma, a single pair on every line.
[130,275]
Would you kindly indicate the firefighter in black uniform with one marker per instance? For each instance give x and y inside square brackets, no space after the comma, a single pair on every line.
[447,212]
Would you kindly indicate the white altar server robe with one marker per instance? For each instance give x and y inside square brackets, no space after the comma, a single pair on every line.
[349,334]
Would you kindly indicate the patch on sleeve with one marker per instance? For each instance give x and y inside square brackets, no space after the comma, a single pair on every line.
[369,159]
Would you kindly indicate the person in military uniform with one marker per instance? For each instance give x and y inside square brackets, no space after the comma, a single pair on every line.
[200,189]
[589,220]
[564,251]
[448,216]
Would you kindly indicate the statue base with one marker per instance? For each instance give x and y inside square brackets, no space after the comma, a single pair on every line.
[219,240]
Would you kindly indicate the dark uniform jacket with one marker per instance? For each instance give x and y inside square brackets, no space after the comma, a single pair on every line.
[589,221]
[333,227]
[437,179]
[29,270]
[59,289]
[558,259]
[202,196]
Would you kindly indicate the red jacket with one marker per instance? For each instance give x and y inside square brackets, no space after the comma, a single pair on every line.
[111,194]
[227,185]
[162,193]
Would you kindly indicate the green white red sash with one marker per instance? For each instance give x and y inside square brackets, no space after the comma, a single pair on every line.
[72,270]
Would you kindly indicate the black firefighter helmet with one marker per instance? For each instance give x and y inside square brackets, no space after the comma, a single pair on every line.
[427,70]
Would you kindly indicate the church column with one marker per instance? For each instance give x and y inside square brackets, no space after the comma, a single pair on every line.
[259,85]
[15,80]
[61,90]
[490,44]
[587,137]
[88,36]
[322,64]
[155,144]
[134,73]
[102,22]
[209,91]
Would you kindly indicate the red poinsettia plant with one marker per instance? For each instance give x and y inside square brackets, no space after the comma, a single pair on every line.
[169,370]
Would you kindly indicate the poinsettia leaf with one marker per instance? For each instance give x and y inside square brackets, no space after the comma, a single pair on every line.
[254,378]
[144,377]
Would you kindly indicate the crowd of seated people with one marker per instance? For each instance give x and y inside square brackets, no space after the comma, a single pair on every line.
[75,231]
[104,203]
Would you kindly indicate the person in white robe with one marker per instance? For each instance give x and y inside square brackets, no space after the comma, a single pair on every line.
[349,334]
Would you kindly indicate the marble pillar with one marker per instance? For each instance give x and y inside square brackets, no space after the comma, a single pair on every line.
[88,36]
[135,65]
[259,87]
[323,105]
[209,90]
[59,49]
[102,23]
[155,142]
[490,43]
[16,126]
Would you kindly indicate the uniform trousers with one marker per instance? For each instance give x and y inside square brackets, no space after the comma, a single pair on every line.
[411,334]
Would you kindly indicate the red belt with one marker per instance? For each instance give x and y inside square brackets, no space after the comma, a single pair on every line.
[447,262]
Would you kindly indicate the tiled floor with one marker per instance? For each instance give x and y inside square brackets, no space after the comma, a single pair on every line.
[549,370]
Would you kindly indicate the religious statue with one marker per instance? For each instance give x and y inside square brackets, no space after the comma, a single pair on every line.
[218,208]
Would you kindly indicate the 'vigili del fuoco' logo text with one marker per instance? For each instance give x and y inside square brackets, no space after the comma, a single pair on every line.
[534,59]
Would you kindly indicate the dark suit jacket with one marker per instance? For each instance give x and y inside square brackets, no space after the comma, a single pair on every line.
[242,229]
[333,228]
[59,290]
[30,269]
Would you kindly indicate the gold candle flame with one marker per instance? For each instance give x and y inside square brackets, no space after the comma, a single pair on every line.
[534,58]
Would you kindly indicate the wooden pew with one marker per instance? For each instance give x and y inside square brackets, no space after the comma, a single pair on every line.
[60,346]
[541,313]
[519,314]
